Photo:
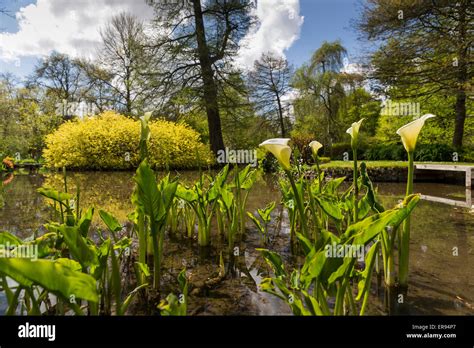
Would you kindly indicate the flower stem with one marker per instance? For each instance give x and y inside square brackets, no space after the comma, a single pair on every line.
[299,203]
[356,188]
[405,233]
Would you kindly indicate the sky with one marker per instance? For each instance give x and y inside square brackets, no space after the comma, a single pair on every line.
[292,28]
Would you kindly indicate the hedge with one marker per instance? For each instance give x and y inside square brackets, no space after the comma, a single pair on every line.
[111,142]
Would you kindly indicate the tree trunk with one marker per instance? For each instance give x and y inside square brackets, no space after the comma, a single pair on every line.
[461,80]
[280,115]
[210,87]
[460,119]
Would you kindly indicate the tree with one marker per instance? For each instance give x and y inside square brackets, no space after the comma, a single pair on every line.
[426,50]
[123,62]
[269,82]
[26,117]
[61,76]
[197,41]
[322,87]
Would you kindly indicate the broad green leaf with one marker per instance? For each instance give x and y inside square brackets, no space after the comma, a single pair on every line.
[305,243]
[51,275]
[332,185]
[55,195]
[364,283]
[255,221]
[110,221]
[86,221]
[364,231]
[364,207]
[343,271]
[148,195]
[330,205]
[371,197]
[7,237]
[275,261]
[78,246]
[186,194]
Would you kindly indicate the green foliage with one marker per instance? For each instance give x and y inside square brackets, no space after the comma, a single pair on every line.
[111,141]
[173,305]
[265,218]
[26,117]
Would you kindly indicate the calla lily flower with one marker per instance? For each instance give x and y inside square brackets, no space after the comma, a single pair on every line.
[315,146]
[354,132]
[409,132]
[280,149]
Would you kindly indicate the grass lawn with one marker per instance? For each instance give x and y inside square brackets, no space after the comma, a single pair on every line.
[385,164]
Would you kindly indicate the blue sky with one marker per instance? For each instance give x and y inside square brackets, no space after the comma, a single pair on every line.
[324,20]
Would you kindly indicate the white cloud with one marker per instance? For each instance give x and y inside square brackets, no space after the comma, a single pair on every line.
[67,26]
[279,28]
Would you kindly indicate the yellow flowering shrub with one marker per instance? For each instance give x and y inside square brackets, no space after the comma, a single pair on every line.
[111,141]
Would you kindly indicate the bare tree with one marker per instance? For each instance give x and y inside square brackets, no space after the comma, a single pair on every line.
[269,82]
[61,76]
[124,58]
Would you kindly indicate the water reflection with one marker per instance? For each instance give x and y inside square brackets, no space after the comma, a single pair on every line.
[441,253]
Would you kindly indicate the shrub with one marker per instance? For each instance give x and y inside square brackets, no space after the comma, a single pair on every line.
[386,152]
[434,152]
[111,141]
[301,141]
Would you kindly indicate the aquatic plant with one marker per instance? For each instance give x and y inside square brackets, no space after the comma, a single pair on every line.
[265,218]
[409,135]
[176,305]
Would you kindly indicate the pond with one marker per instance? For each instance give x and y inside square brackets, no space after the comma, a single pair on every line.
[441,250]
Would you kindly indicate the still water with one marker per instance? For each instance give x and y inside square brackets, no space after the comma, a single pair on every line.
[441,251]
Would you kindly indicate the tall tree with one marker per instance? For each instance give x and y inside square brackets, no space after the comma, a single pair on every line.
[61,76]
[270,82]
[426,50]
[197,41]
[124,63]
[322,86]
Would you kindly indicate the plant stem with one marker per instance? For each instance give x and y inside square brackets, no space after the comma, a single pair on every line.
[299,203]
[356,188]
[404,250]
[316,157]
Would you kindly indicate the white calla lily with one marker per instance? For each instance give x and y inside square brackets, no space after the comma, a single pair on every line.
[280,149]
[315,146]
[409,132]
[354,132]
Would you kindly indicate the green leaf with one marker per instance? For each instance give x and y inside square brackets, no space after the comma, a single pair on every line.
[305,243]
[332,185]
[371,197]
[148,195]
[55,195]
[86,221]
[343,271]
[186,194]
[364,231]
[78,247]
[364,283]
[110,221]
[256,222]
[275,261]
[51,275]
[364,207]
[7,237]
[330,205]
